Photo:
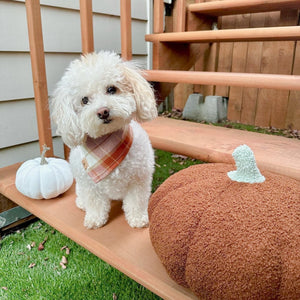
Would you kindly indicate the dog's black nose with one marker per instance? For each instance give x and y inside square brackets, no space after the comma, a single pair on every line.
[103,113]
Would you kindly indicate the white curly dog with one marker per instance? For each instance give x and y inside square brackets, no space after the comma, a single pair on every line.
[98,99]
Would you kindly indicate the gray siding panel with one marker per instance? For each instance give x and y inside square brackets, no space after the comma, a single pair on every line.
[62,43]
[16,75]
[20,153]
[61,30]
[18,123]
[110,7]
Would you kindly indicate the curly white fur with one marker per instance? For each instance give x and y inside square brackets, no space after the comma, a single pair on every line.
[90,77]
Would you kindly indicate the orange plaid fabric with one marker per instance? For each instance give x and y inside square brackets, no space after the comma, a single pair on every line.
[102,155]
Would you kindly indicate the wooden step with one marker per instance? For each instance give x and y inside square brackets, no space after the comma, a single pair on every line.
[286,33]
[216,144]
[272,81]
[232,7]
[128,250]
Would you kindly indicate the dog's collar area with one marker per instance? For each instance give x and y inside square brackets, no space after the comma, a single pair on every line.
[102,155]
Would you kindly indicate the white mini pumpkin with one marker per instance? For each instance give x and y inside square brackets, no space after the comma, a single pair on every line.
[42,177]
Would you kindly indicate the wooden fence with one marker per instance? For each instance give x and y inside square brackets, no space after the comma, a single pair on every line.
[260,107]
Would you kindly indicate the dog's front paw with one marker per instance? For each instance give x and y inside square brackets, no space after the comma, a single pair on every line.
[93,221]
[138,221]
[80,203]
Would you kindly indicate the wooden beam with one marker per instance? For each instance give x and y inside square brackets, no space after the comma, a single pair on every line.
[158,27]
[293,109]
[176,56]
[86,20]
[87,37]
[6,204]
[232,7]
[35,33]
[180,16]
[268,81]
[286,33]
[126,39]
[273,153]
[158,16]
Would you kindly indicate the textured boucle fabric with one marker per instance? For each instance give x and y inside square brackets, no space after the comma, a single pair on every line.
[246,169]
[225,239]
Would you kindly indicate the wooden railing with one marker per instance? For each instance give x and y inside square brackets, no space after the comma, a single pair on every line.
[86,21]
[183,48]
[267,81]
[287,33]
[232,7]
[35,35]
[126,35]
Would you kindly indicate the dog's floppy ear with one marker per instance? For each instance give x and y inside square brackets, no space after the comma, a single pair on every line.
[64,116]
[142,93]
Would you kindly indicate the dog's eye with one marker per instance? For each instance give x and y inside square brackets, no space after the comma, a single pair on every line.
[85,100]
[111,90]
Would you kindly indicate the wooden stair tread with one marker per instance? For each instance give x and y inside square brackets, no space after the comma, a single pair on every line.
[273,81]
[216,144]
[232,7]
[285,33]
[128,250]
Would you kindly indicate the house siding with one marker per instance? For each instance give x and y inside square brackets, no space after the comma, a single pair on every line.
[62,44]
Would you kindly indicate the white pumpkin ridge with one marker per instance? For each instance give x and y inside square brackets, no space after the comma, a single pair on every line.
[42,177]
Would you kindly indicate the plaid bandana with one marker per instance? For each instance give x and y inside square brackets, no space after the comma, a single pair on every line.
[102,155]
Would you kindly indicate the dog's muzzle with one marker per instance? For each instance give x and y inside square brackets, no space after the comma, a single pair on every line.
[103,113]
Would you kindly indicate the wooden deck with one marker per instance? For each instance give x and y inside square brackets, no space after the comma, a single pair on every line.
[232,7]
[216,144]
[287,33]
[130,250]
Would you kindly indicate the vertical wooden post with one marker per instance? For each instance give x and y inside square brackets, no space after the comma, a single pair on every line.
[86,20]
[87,36]
[180,17]
[126,40]
[35,34]
[292,120]
[158,27]
[158,13]
[181,90]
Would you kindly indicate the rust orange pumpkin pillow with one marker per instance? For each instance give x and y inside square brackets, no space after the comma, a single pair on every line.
[229,234]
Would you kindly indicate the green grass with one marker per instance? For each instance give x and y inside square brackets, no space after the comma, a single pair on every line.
[264,130]
[168,164]
[86,276]
[288,132]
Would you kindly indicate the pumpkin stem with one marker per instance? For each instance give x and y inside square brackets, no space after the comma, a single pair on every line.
[43,159]
[246,168]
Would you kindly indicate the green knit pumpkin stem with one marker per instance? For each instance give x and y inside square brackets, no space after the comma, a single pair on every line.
[43,159]
[246,168]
